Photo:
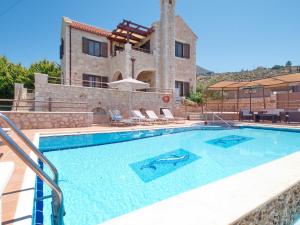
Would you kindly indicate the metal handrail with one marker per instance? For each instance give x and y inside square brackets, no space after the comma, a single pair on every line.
[220,118]
[57,196]
[31,146]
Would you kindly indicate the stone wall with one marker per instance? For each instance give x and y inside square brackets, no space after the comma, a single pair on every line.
[280,210]
[45,120]
[91,99]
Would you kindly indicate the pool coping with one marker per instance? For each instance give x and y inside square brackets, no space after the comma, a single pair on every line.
[26,199]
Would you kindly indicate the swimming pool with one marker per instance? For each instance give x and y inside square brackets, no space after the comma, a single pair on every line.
[130,170]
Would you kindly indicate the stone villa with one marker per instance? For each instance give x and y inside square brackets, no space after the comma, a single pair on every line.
[163,55]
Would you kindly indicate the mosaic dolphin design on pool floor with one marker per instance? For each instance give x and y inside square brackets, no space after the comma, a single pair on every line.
[173,159]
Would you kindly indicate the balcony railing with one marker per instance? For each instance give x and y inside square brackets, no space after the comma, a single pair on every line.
[142,50]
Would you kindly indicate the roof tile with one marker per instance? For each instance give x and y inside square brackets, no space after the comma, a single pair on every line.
[90,29]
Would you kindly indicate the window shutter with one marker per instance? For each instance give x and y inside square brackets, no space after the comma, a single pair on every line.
[186,51]
[186,88]
[85,79]
[104,49]
[85,45]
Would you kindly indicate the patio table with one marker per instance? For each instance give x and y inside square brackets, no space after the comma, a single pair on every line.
[272,117]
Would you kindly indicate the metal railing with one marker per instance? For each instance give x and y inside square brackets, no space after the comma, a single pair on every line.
[257,106]
[142,50]
[57,195]
[215,115]
[45,106]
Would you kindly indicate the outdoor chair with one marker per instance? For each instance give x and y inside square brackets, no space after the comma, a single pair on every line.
[152,115]
[293,117]
[273,115]
[117,119]
[168,115]
[141,118]
[245,114]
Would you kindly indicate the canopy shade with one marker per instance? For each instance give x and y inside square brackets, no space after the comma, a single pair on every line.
[129,84]
[279,81]
[128,31]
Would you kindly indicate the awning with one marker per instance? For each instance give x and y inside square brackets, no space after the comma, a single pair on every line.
[279,81]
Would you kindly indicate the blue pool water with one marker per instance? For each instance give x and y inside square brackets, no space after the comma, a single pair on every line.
[114,178]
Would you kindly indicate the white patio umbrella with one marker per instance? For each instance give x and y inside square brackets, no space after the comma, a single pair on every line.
[128,84]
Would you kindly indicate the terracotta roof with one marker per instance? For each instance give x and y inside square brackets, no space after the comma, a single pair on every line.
[90,29]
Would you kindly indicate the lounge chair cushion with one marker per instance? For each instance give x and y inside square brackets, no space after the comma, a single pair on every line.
[116,117]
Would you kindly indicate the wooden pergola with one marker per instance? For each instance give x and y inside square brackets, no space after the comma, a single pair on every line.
[268,83]
[129,32]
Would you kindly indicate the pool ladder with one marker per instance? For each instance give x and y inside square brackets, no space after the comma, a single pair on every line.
[58,211]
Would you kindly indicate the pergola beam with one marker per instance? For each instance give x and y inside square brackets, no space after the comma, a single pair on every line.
[130,32]
[126,36]
[124,41]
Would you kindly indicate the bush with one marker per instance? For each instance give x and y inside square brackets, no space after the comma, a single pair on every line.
[11,73]
[196,97]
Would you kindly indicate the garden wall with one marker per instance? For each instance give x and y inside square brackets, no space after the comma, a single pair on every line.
[46,120]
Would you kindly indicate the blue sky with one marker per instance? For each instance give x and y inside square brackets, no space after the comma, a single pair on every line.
[233,34]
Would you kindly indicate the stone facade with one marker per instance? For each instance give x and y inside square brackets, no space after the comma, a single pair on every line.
[280,210]
[45,120]
[185,67]
[97,100]
[160,63]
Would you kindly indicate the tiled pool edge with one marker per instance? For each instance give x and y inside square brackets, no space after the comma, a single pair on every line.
[282,209]
[143,134]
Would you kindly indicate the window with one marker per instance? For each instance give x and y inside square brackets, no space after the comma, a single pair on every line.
[182,50]
[94,81]
[182,88]
[61,49]
[94,48]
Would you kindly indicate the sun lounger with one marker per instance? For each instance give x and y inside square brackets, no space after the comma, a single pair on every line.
[168,115]
[152,115]
[141,118]
[117,119]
